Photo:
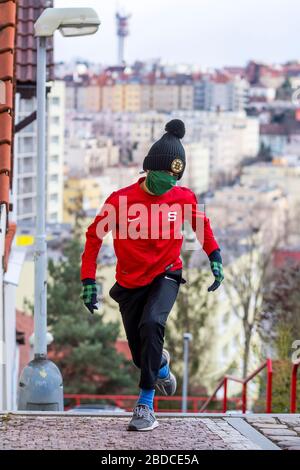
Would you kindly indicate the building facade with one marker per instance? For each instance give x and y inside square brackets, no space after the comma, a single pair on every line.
[25,157]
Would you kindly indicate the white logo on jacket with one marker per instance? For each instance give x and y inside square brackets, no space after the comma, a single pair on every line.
[172,216]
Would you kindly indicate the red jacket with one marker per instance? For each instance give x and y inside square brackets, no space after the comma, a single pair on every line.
[146,232]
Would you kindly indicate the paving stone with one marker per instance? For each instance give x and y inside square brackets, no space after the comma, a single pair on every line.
[279,432]
[105,433]
[289,442]
[261,419]
[293,420]
[269,426]
[277,439]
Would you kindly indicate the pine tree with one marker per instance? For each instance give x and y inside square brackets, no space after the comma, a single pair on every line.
[84,344]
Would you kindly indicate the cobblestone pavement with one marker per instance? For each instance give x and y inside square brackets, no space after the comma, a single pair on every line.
[33,431]
[283,430]
[61,431]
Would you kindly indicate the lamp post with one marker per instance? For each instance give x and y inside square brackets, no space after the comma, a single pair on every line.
[40,385]
[187,337]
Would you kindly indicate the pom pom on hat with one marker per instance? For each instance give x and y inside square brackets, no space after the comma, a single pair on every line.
[176,127]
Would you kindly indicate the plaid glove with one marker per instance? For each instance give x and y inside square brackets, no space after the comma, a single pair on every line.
[89,295]
[217,269]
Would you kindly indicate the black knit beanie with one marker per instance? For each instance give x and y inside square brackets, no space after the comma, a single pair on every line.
[168,152]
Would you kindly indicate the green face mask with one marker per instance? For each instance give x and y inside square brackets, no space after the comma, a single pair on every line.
[159,182]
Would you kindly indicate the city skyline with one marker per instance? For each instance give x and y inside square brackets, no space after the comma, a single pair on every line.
[209,33]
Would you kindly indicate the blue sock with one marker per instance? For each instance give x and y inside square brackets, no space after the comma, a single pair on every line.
[146,397]
[163,372]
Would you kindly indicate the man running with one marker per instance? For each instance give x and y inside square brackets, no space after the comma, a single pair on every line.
[146,220]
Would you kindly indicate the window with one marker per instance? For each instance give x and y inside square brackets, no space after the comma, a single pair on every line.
[54,158]
[27,166]
[26,185]
[54,178]
[27,106]
[55,120]
[26,145]
[55,100]
[55,139]
[27,205]
[53,216]
[53,197]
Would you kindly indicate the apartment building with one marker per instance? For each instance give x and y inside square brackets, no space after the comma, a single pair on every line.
[196,175]
[56,146]
[259,208]
[88,98]
[229,136]
[221,92]
[26,154]
[129,97]
[90,156]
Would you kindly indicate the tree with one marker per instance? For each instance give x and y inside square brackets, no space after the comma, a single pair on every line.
[281,304]
[264,154]
[84,345]
[284,92]
[280,326]
[245,281]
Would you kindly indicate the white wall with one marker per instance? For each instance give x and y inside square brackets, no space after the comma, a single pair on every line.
[2,333]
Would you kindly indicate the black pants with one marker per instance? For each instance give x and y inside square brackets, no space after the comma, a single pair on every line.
[144,313]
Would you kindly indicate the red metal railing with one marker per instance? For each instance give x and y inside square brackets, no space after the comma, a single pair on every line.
[293,403]
[224,383]
[126,401]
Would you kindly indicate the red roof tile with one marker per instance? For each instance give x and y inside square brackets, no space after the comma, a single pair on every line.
[7,65]
[5,155]
[7,39]
[234,70]
[8,242]
[221,77]
[273,129]
[8,91]
[8,12]
[28,12]
[4,187]
[5,129]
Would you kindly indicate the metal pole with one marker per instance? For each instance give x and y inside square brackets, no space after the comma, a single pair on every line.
[269,386]
[121,50]
[40,383]
[186,339]
[225,395]
[244,398]
[40,287]
[293,398]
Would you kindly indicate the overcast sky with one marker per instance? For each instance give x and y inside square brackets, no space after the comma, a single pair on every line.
[204,32]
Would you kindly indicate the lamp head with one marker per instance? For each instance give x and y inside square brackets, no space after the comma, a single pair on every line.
[69,21]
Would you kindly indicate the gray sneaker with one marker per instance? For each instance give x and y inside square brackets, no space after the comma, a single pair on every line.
[168,385]
[143,419]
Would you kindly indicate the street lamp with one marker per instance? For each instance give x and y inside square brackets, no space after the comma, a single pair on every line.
[187,337]
[40,385]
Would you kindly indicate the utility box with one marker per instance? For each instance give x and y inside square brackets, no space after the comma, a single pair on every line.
[41,387]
